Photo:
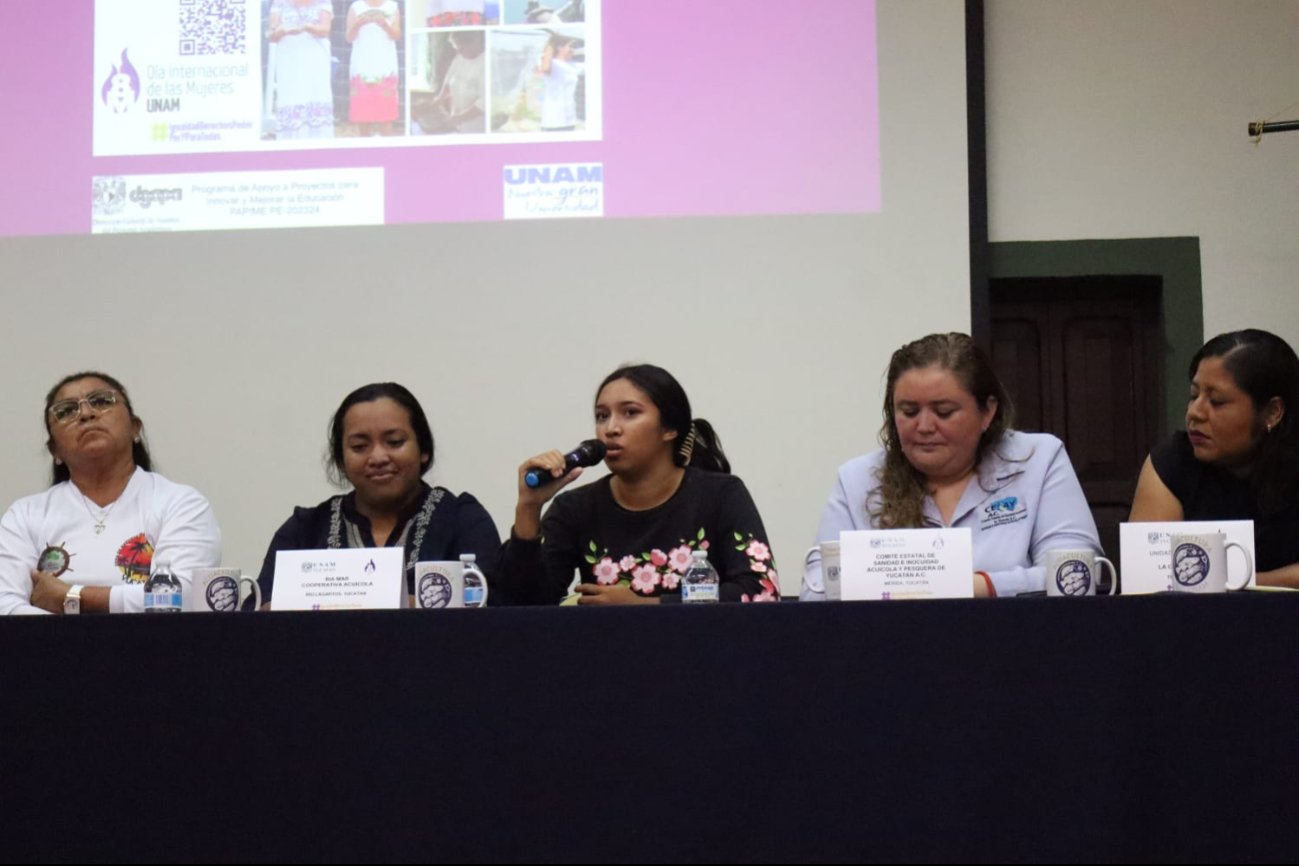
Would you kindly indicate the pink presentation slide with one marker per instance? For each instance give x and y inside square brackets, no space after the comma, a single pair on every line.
[172,115]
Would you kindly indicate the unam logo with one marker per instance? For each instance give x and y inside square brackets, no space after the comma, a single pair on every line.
[575,173]
[108,196]
[121,89]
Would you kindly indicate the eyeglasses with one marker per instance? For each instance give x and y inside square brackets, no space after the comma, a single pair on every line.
[67,411]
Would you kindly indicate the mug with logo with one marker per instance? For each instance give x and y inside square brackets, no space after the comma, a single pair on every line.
[218,590]
[829,551]
[1075,573]
[1200,562]
[449,584]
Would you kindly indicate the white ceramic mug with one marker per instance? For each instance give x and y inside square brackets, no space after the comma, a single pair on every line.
[218,590]
[1071,573]
[1200,562]
[449,584]
[829,551]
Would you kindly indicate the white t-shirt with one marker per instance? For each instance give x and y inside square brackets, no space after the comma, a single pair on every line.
[153,520]
[559,99]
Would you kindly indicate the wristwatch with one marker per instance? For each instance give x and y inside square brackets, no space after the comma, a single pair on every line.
[72,601]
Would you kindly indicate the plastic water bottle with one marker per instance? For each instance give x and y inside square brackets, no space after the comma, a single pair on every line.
[476,592]
[162,590]
[700,583]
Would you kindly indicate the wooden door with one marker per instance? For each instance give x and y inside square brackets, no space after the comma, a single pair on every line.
[1080,358]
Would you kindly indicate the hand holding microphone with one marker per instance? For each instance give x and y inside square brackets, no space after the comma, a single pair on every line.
[588,453]
[538,482]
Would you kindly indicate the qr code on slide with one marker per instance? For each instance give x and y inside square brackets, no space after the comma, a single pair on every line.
[212,26]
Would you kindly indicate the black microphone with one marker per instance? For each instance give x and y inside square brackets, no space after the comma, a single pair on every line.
[588,453]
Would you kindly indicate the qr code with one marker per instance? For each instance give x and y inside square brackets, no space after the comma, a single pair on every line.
[212,26]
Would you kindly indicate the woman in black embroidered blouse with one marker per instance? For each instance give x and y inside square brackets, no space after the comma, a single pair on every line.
[381,444]
[631,535]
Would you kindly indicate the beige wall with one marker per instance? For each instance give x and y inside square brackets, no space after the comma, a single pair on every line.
[1127,118]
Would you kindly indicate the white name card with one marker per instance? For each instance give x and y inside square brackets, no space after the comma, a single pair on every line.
[359,578]
[892,564]
[1145,557]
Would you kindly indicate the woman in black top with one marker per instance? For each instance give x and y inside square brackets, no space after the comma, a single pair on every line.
[1238,458]
[381,444]
[631,535]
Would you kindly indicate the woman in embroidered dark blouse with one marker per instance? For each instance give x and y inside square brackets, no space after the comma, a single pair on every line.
[630,535]
[381,444]
[1238,458]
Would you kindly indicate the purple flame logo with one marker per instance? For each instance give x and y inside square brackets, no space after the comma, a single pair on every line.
[121,88]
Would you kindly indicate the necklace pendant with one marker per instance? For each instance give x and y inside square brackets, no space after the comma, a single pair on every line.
[99,529]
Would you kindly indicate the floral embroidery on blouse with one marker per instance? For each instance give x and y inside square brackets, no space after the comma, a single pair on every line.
[661,570]
[647,572]
[760,562]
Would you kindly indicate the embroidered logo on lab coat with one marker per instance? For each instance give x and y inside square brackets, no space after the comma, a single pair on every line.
[1008,509]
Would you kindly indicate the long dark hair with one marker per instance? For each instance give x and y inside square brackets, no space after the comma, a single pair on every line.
[368,394]
[902,486]
[1264,367]
[139,448]
[697,441]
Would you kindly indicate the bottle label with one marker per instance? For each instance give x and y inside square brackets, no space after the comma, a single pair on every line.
[695,592]
[161,601]
[473,596]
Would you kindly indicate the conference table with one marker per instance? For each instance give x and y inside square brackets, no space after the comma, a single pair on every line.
[1148,728]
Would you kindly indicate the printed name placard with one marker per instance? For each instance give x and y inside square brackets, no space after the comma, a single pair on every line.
[891,564]
[360,578]
[1146,559]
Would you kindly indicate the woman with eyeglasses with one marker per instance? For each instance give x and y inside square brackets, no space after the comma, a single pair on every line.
[86,545]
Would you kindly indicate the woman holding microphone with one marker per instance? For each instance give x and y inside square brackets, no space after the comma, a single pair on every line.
[631,535]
